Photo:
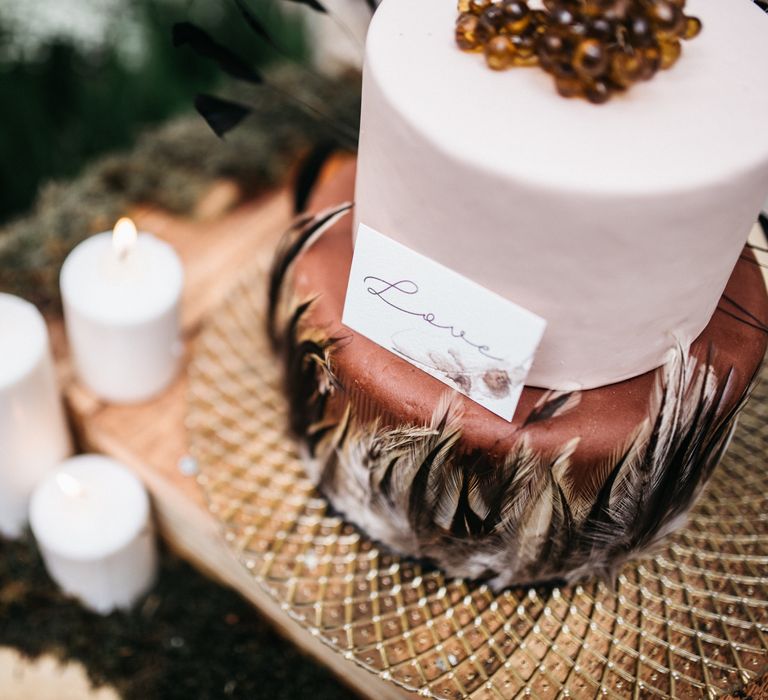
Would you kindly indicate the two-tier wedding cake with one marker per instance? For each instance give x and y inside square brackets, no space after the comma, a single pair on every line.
[621,225]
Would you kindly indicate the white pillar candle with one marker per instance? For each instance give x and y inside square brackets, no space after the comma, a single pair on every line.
[121,293]
[91,520]
[33,432]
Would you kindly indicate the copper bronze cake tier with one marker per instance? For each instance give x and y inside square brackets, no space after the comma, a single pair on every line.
[576,484]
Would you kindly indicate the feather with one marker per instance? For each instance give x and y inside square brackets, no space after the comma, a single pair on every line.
[740,319]
[188,34]
[221,115]
[562,529]
[429,460]
[317,433]
[446,477]
[309,380]
[312,4]
[477,496]
[755,321]
[330,465]
[524,488]
[390,449]
[309,172]
[520,519]
[575,504]
[465,524]
[299,237]
[551,405]
[678,454]
[255,24]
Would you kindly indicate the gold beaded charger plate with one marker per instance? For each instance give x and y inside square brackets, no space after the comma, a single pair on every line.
[690,622]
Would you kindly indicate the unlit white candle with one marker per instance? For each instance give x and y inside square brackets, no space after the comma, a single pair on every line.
[33,432]
[91,519]
[121,293]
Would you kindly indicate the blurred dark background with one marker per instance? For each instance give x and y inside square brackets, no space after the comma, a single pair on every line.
[79,78]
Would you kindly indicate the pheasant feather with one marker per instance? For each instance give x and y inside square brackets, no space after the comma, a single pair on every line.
[510,521]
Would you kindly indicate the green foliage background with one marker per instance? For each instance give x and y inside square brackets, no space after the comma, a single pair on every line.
[63,104]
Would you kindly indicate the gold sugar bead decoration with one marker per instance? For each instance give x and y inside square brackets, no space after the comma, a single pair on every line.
[692,28]
[670,52]
[590,59]
[593,48]
[499,52]
[569,86]
[467,36]
[477,6]
[626,68]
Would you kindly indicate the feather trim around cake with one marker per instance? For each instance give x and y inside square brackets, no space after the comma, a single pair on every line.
[509,522]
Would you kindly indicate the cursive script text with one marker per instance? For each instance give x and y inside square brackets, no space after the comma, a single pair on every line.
[390,293]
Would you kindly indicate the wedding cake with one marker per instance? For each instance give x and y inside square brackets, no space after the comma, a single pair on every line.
[622,225]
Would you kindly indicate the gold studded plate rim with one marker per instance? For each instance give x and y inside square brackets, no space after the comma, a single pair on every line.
[690,622]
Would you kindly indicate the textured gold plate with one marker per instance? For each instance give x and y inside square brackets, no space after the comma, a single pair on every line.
[691,622]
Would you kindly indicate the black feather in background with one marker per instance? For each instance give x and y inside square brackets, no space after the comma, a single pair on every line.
[189,34]
[312,4]
[220,114]
[309,171]
[254,23]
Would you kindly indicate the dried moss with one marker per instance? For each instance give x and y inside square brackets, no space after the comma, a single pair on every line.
[189,638]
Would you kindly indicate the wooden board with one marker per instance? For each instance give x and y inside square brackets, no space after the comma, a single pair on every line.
[151,438]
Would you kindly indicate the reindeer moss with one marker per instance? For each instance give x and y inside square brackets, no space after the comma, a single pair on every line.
[188,639]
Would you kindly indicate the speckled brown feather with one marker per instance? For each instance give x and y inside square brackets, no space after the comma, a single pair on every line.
[415,489]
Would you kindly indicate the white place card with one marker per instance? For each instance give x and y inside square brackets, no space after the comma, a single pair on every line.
[468,337]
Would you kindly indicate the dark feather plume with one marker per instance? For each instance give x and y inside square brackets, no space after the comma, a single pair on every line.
[753,320]
[309,172]
[330,467]
[763,218]
[306,359]
[188,34]
[221,115]
[302,234]
[256,25]
[312,4]
[551,405]
[426,487]
[655,483]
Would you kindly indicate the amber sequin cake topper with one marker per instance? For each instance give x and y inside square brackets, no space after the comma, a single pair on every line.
[592,48]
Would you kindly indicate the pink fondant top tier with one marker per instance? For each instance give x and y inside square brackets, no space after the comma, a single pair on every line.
[620,224]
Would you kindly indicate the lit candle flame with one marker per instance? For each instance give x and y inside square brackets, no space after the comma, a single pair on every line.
[124,237]
[69,485]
